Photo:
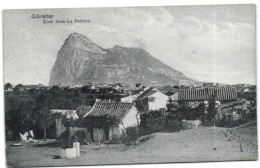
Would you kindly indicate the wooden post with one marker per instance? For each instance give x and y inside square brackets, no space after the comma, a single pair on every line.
[241,150]
[69,138]
[98,138]
[44,133]
[69,135]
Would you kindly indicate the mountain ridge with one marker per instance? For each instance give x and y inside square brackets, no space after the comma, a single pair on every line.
[80,61]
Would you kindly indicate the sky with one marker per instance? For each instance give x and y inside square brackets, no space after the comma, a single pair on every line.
[206,43]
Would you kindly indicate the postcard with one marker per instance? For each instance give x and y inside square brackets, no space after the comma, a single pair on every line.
[130,85]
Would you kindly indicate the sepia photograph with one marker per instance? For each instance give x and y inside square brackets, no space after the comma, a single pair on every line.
[130,85]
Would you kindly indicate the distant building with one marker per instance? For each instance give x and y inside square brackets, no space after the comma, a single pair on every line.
[138,85]
[129,99]
[249,89]
[108,120]
[240,85]
[246,90]
[207,84]
[9,90]
[156,99]
[134,95]
[204,94]
[34,86]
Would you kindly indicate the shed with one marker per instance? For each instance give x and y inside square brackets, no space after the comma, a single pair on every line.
[108,120]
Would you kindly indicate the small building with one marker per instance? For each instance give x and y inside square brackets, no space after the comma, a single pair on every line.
[249,90]
[109,120]
[129,99]
[156,99]
[9,90]
[138,85]
[246,90]
[134,95]
[39,86]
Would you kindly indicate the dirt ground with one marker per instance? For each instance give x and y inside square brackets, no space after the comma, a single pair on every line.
[194,145]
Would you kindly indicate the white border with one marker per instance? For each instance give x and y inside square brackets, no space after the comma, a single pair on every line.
[26,4]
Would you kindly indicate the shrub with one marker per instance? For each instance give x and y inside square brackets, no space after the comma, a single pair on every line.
[173,125]
[132,133]
[115,140]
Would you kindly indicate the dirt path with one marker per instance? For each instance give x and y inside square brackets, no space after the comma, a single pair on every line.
[202,144]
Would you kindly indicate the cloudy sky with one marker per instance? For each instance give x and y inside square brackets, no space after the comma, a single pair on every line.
[206,43]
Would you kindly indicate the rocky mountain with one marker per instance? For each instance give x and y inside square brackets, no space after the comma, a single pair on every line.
[80,61]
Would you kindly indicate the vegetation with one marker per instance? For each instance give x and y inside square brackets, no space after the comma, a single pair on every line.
[27,109]
[19,114]
[30,108]
[8,86]
[250,96]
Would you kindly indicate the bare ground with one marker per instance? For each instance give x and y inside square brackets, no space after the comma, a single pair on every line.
[194,145]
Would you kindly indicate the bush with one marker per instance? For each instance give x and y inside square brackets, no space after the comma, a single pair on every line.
[132,133]
[173,125]
[228,122]
[81,135]
[115,140]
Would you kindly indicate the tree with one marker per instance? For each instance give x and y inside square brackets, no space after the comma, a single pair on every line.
[142,105]
[68,122]
[176,87]
[46,101]
[172,106]
[19,112]
[8,86]
[43,116]
[200,111]
[18,87]
[55,98]
[212,111]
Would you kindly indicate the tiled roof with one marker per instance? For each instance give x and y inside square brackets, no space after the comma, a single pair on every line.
[113,110]
[148,92]
[221,93]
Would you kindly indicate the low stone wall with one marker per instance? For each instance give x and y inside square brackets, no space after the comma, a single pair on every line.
[190,124]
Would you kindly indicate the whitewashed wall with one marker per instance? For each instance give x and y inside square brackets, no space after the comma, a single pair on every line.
[160,101]
[113,131]
[131,119]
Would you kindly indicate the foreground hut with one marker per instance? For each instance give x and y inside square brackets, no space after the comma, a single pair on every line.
[110,120]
